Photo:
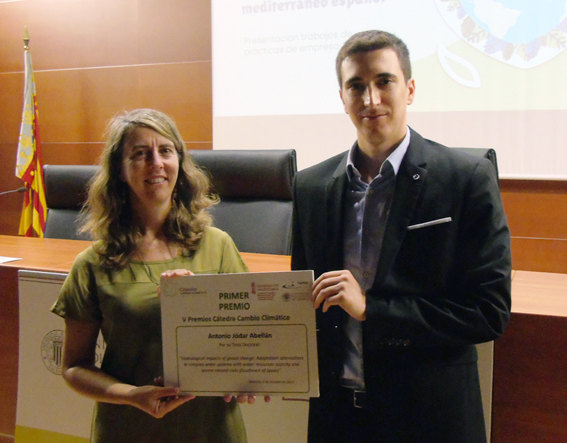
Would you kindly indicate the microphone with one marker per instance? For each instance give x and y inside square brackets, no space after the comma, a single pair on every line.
[22,189]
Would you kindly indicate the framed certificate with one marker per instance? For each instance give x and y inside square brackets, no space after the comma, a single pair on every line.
[240,333]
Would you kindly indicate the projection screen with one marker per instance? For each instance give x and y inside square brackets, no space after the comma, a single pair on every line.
[489,73]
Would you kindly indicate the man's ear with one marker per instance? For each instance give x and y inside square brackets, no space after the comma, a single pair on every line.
[342,99]
[411,90]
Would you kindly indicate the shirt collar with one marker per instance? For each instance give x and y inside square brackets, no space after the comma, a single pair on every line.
[395,158]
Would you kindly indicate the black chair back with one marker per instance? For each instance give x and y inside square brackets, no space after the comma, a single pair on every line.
[255,187]
[488,153]
[65,192]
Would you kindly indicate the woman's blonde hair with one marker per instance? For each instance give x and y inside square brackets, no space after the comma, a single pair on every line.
[107,214]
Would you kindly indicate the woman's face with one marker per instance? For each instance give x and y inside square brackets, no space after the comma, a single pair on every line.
[150,167]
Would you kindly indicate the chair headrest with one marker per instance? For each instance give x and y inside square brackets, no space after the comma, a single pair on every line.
[253,173]
[488,153]
[66,185]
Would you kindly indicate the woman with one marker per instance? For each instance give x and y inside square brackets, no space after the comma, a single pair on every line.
[147,212]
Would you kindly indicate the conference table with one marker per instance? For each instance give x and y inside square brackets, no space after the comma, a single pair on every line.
[529,400]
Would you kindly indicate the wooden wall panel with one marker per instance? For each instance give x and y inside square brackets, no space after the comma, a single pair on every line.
[92,59]
[11,100]
[174,30]
[537,214]
[10,204]
[186,92]
[75,105]
[72,153]
[530,202]
[542,255]
[70,34]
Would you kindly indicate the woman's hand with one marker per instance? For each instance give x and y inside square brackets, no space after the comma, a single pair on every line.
[173,273]
[80,372]
[245,398]
[157,400]
[176,273]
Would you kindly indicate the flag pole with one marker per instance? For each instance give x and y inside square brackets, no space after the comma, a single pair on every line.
[28,160]
[26,39]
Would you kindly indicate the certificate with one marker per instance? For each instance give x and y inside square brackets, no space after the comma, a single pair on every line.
[240,333]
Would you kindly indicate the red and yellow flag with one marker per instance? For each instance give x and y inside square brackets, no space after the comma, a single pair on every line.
[28,161]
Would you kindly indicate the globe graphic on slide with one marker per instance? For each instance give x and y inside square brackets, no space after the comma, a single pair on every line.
[516,21]
[520,33]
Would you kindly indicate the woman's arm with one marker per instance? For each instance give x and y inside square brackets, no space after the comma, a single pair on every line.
[80,372]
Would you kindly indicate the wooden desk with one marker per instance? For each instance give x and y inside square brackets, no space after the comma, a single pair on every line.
[539,293]
[530,376]
[529,401]
[52,255]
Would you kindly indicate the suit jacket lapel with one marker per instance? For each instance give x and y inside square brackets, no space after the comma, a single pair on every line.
[409,183]
[334,196]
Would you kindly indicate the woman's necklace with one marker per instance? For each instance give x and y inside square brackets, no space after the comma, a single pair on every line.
[148,270]
[150,274]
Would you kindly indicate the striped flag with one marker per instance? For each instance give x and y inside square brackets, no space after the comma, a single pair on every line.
[28,161]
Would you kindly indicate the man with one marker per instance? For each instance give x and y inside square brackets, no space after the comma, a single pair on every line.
[411,248]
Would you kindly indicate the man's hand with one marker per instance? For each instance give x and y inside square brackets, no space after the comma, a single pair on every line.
[340,288]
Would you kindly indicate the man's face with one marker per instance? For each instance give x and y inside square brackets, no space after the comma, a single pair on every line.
[375,96]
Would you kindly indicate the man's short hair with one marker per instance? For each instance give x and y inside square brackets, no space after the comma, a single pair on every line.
[367,41]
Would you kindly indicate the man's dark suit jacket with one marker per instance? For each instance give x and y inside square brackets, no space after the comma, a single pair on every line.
[439,289]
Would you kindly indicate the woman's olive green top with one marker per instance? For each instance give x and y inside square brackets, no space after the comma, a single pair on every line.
[125,301]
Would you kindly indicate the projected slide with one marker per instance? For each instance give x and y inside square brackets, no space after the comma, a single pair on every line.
[488,73]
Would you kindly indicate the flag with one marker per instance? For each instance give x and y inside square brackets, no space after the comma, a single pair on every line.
[28,160]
